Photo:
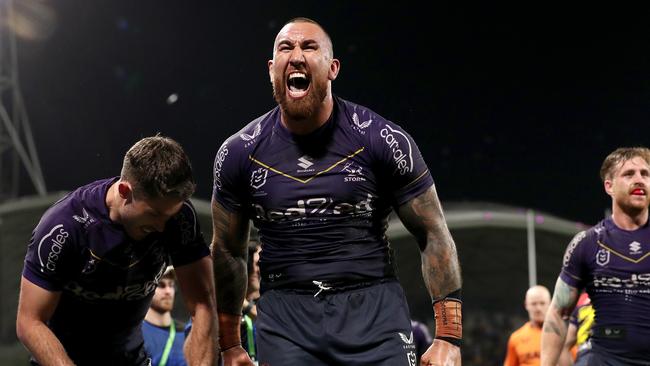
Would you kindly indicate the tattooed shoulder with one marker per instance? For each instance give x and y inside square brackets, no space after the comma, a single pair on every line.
[564,295]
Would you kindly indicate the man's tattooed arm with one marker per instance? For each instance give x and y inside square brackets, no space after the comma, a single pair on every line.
[556,322]
[423,217]
[229,254]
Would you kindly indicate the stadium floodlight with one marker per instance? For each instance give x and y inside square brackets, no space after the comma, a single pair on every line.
[17,148]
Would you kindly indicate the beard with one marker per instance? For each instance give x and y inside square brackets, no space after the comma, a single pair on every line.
[162,305]
[302,108]
[631,206]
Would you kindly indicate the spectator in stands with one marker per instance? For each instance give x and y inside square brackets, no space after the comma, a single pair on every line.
[163,335]
[524,344]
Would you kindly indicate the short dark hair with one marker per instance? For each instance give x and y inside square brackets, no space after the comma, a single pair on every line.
[309,20]
[169,273]
[158,167]
[621,155]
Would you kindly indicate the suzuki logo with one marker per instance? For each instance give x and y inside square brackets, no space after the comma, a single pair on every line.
[304,162]
[635,247]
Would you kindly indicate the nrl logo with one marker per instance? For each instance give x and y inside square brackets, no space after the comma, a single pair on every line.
[602,257]
[258,178]
[411,358]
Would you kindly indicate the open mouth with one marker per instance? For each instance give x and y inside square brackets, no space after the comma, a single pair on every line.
[298,84]
[638,192]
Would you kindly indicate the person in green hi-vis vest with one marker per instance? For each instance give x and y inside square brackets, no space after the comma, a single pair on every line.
[163,335]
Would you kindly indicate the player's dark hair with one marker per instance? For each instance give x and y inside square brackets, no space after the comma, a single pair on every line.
[158,167]
[309,20]
[620,156]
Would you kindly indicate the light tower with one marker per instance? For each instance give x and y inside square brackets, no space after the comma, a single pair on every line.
[17,148]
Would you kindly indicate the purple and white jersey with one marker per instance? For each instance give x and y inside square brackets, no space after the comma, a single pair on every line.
[321,201]
[107,279]
[613,265]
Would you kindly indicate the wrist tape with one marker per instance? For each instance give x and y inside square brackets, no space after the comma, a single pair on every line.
[449,318]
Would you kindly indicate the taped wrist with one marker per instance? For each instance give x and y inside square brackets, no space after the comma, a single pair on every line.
[229,331]
[449,318]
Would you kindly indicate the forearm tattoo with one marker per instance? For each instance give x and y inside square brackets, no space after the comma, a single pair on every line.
[423,217]
[551,327]
[229,242]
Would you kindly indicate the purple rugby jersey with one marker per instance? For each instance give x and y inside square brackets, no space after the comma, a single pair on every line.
[107,280]
[613,265]
[321,201]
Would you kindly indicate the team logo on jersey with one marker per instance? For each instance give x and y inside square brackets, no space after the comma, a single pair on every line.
[635,248]
[355,173]
[412,358]
[256,132]
[258,177]
[602,257]
[55,240]
[408,346]
[405,339]
[85,219]
[401,149]
[361,125]
[305,162]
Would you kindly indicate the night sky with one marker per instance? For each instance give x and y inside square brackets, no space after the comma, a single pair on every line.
[511,105]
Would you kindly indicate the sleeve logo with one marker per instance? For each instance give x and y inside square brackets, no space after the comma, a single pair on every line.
[400,147]
[218,165]
[55,240]
[572,246]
